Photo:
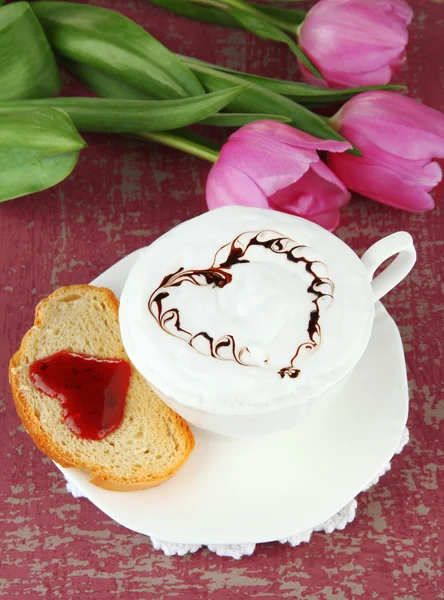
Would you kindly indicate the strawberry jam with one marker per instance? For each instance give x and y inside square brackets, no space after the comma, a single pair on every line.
[92,390]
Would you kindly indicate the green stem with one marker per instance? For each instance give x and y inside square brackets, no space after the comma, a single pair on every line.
[252,11]
[179,143]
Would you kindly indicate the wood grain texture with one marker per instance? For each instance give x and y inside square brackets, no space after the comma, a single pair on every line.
[122,195]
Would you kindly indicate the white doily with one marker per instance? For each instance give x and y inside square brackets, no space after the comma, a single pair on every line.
[337,521]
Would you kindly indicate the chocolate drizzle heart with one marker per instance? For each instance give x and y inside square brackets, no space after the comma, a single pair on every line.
[218,275]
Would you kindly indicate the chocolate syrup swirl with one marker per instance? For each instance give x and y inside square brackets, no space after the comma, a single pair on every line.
[218,275]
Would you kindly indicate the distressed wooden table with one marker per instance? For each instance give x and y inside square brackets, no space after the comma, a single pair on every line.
[121,196]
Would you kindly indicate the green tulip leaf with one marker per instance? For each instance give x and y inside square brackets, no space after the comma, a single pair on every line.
[115,45]
[239,119]
[218,15]
[300,92]
[102,84]
[132,116]
[269,14]
[198,12]
[181,139]
[38,149]
[27,65]
[106,86]
[294,17]
[267,25]
[257,99]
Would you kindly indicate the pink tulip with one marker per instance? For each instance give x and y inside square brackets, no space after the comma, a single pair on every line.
[272,165]
[355,42]
[398,138]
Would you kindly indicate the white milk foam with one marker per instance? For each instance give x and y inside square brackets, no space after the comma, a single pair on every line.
[241,309]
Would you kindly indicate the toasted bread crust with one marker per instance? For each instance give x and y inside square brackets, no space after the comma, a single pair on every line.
[99,476]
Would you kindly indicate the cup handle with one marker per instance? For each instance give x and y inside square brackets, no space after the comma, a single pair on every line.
[400,243]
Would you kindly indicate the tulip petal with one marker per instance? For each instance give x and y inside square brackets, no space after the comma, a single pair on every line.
[380,183]
[329,220]
[268,165]
[317,192]
[271,165]
[421,172]
[394,123]
[353,42]
[335,190]
[339,79]
[274,155]
[356,50]
[359,34]
[227,185]
[274,133]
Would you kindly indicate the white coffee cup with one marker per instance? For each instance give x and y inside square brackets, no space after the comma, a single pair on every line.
[241,318]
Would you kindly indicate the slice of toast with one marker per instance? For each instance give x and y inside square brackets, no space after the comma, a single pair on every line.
[151,443]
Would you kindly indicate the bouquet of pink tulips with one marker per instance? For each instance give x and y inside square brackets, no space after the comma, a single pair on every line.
[270,164]
[350,43]
[379,143]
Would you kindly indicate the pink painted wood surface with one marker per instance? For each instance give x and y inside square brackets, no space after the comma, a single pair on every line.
[121,196]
